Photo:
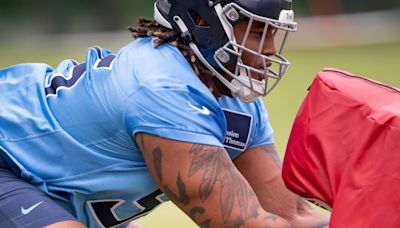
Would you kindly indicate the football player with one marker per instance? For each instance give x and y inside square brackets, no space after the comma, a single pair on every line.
[175,114]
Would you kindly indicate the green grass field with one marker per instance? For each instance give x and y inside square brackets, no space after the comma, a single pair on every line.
[378,62]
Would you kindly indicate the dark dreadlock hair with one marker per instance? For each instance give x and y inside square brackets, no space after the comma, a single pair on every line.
[146,28]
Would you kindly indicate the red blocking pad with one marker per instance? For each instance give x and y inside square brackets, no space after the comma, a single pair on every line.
[344,150]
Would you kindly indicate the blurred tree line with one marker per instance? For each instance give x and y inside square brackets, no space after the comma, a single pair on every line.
[329,7]
[63,16]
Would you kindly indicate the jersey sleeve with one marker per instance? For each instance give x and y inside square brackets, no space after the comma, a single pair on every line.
[177,115]
[263,131]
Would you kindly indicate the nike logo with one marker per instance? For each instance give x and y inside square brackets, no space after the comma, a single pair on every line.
[202,110]
[27,211]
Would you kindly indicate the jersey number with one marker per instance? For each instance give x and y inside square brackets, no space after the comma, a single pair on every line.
[60,81]
[104,210]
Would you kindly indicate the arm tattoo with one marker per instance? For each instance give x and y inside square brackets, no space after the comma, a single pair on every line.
[142,141]
[216,169]
[271,218]
[199,210]
[271,150]
[182,197]
[157,157]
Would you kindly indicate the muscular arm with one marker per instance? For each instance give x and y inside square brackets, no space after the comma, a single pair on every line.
[261,166]
[203,182]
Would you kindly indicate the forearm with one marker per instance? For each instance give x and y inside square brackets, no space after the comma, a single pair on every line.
[289,205]
[249,213]
[261,166]
[204,183]
[276,198]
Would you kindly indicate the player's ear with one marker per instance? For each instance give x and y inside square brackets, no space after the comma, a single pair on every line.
[201,22]
[198,20]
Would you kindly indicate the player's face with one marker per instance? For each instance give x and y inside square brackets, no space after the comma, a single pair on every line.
[253,42]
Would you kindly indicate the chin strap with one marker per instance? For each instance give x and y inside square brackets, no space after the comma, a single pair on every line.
[245,83]
[245,94]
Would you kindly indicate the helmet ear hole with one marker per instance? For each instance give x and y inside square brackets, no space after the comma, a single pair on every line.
[197,19]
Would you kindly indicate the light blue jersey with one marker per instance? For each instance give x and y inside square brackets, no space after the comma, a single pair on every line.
[71,129]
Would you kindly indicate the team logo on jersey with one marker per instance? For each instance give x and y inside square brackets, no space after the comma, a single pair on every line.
[238,129]
[203,110]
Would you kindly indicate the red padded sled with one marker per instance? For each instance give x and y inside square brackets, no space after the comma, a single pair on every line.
[344,150]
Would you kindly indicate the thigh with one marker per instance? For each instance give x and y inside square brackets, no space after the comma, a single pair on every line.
[24,205]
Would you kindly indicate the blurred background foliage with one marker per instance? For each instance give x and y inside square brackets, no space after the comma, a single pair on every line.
[61,16]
